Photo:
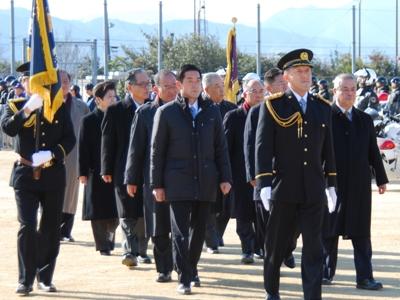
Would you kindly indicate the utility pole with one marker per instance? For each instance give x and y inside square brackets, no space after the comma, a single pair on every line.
[359,29]
[194,17]
[258,41]
[397,38]
[160,38]
[106,41]
[12,62]
[353,56]
[94,62]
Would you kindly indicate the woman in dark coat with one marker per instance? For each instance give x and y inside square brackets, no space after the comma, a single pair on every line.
[99,199]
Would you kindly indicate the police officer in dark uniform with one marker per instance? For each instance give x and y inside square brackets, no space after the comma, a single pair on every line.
[294,157]
[324,89]
[38,179]
[366,96]
[393,105]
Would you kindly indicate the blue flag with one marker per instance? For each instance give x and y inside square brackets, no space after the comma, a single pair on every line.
[44,77]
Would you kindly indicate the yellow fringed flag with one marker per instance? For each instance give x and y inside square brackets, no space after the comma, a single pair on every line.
[44,77]
[231,79]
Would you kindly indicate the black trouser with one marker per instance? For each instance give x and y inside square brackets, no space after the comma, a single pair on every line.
[188,225]
[67,222]
[222,220]
[245,231]
[142,240]
[38,248]
[362,257]
[261,223]
[163,253]
[104,233]
[212,237]
[280,229]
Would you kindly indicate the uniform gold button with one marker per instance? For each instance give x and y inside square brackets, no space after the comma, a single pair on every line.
[305,149]
[305,163]
[56,121]
[41,123]
[306,136]
[305,122]
[323,125]
[43,133]
[44,145]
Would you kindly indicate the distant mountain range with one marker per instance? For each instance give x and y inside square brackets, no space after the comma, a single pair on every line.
[322,30]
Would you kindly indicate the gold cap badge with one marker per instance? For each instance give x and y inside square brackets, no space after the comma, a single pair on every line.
[304,56]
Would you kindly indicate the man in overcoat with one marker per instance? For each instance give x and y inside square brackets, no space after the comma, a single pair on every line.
[244,209]
[189,162]
[220,211]
[294,158]
[356,153]
[157,222]
[115,128]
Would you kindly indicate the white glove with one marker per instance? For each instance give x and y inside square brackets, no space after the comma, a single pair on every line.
[331,196]
[34,102]
[265,195]
[41,157]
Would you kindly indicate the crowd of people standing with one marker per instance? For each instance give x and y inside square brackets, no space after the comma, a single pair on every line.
[176,168]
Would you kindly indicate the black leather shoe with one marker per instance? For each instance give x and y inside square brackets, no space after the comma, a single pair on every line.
[272,297]
[129,260]
[183,289]
[51,288]
[23,289]
[369,284]
[144,259]
[326,281]
[164,277]
[290,262]
[195,281]
[247,259]
[105,252]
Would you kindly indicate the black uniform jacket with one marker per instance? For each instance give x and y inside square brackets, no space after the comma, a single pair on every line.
[99,197]
[58,137]
[242,190]
[249,145]
[356,151]
[189,157]
[300,145]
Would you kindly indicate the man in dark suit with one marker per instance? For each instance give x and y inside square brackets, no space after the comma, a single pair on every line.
[294,157]
[220,211]
[157,222]
[38,179]
[98,197]
[114,149]
[273,83]
[189,162]
[244,210]
[356,151]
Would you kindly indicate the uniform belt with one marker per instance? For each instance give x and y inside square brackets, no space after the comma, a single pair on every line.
[25,162]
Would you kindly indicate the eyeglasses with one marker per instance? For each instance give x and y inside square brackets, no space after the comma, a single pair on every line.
[143,84]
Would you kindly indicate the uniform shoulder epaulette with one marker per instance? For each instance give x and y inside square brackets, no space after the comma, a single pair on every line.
[16,104]
[318,96]
[274,96]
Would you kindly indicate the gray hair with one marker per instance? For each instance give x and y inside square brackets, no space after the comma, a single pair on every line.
[161,74]
[246,84]
[209,78]
[337,82]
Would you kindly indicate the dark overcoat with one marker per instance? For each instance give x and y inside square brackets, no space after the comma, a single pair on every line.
[249,146]
[189,157]
[301,153]
[98,196]
[242,190]
[138,169]
[115,129]
[356,151]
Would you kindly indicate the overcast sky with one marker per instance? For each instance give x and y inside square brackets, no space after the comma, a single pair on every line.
[146,11]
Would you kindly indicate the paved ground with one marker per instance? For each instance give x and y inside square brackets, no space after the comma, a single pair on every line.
[83,274]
